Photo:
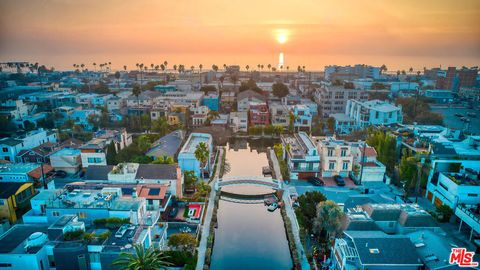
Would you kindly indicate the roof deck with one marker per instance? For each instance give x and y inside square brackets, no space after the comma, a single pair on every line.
[194,140]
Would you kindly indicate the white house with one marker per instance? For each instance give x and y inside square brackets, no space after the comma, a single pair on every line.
[66,159]
[373,112]
[10,147]
[239,121]
[336,157]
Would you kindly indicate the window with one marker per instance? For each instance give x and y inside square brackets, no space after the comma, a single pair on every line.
[374,250]
[330,152]
[5,149]
[94,257]
[55,213]
[376,114]
[345,165]
[2,202]
[331,165]
[343,152]
[472,195]
[443,186]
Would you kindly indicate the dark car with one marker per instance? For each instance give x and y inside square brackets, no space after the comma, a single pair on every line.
[61,174]
[315,181]
[339,180]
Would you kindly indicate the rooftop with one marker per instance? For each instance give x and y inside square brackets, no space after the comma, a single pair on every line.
[14,240]
[381,249]
[194,140]
[8,189]
[18,168]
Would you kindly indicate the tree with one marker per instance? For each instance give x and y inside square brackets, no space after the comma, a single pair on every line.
[202,155]
[307,207]
[136,91]
[234,79]
[190,179]
[331,124]
[280,90]
[208,88]
[328,219]
[160,126]
[182,241]
[111,154]
[250,85]
[141,259]
[117,76]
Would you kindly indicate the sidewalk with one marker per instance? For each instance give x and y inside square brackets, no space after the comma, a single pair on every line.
[290,213]
[208,217]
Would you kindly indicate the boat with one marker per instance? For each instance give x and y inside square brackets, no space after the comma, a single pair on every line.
[272,207]
[459,115]
[471,114]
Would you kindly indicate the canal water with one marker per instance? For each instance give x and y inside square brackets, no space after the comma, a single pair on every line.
[248,236]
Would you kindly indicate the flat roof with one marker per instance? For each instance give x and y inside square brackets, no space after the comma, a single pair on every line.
[18,167]
[13,240]
[195,139]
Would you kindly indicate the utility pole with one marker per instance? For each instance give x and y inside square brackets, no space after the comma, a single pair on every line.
[419,173]
[362,162]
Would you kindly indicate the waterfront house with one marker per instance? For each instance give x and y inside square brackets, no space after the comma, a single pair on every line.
[186,158]
[259,115]
[280,114]
[336,157]
[245,98]
[239,121]
[373,112]
[302,117]
[302,156]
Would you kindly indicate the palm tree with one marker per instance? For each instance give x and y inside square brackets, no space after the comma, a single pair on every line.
[141,259]
[225,66]
[410,69]
[175,67]
[125,67]
[117,76]
[214,67]
[234,79]
[247,67]
[269,67]
[95,66]
[200,67]
[165,63]
[136,91]
[258,66]
[192,68]
[202,155]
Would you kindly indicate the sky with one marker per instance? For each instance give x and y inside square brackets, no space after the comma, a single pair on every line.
[311,33]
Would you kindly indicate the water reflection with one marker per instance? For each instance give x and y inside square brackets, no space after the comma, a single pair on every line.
[248,236]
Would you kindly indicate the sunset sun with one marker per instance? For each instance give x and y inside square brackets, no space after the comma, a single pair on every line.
[281,36]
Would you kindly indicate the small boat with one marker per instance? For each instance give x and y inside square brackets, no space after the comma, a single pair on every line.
[463,119]
[459,115]
[471,114]
[272,207]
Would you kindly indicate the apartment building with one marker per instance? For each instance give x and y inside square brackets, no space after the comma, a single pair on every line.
[333,99]
[259,115]
[246,97]
[302,117]
[280,114]
[239,121]
[186,158]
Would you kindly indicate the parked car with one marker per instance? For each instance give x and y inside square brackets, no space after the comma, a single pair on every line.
[339,180]
[61,174]
[315,181]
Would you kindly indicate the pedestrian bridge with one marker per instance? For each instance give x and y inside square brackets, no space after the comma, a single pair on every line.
[250,181]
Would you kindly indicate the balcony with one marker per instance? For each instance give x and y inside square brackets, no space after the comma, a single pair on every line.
[469,214]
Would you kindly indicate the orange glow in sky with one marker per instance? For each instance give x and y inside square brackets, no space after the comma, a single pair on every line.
[311,33]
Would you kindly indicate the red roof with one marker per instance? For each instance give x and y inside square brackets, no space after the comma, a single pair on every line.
[37,173]
[370,152]
[152,192]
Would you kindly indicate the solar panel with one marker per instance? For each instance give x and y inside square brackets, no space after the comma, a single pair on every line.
[154,191]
